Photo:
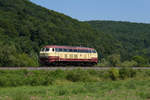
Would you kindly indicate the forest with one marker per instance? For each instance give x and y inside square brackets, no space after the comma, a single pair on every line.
[133,37]
[26,27]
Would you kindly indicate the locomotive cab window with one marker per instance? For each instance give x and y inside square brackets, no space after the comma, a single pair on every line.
[93,51]
[42,49]
[53,49]
[47,49]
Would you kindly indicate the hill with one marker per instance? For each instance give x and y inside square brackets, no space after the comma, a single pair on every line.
[26,27]
[134,37]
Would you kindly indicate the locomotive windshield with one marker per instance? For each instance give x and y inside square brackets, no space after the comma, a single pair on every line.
[45,49]
[93,51]
[42,49]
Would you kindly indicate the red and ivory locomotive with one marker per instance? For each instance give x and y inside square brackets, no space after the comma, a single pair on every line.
[53,54]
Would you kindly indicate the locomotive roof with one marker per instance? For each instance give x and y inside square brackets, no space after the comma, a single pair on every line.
[67,47]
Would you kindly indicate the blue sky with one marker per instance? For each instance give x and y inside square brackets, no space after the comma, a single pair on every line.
[117,10]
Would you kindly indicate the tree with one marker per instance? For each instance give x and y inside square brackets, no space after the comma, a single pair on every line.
[140,60]
[114,60]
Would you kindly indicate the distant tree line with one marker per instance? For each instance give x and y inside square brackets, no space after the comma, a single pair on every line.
[133,39]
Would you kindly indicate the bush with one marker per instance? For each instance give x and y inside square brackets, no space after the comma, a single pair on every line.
[11,79]
[114,60]
[129,64]
[11,57]
[79,76]
[127,73]
[114,73]
[103,63]
[141,61]
[24,60]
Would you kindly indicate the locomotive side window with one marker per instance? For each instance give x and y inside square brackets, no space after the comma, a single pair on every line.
[75,50]
[60,49]
[57,49]
[92,51]
[86,51]
[79,50]
[83,51]
[65,50]
[89,51]
[70,50]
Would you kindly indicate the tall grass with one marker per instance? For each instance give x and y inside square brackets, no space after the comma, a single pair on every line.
[13,78]
[106,90]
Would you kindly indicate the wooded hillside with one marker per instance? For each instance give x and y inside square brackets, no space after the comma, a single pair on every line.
[134,37]
[26,27]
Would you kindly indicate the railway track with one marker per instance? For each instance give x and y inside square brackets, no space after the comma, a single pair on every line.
[65,68]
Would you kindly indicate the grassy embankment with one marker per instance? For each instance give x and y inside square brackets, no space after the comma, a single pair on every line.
[123,84]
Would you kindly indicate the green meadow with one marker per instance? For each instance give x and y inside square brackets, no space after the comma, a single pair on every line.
[105,90]
[113,84]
